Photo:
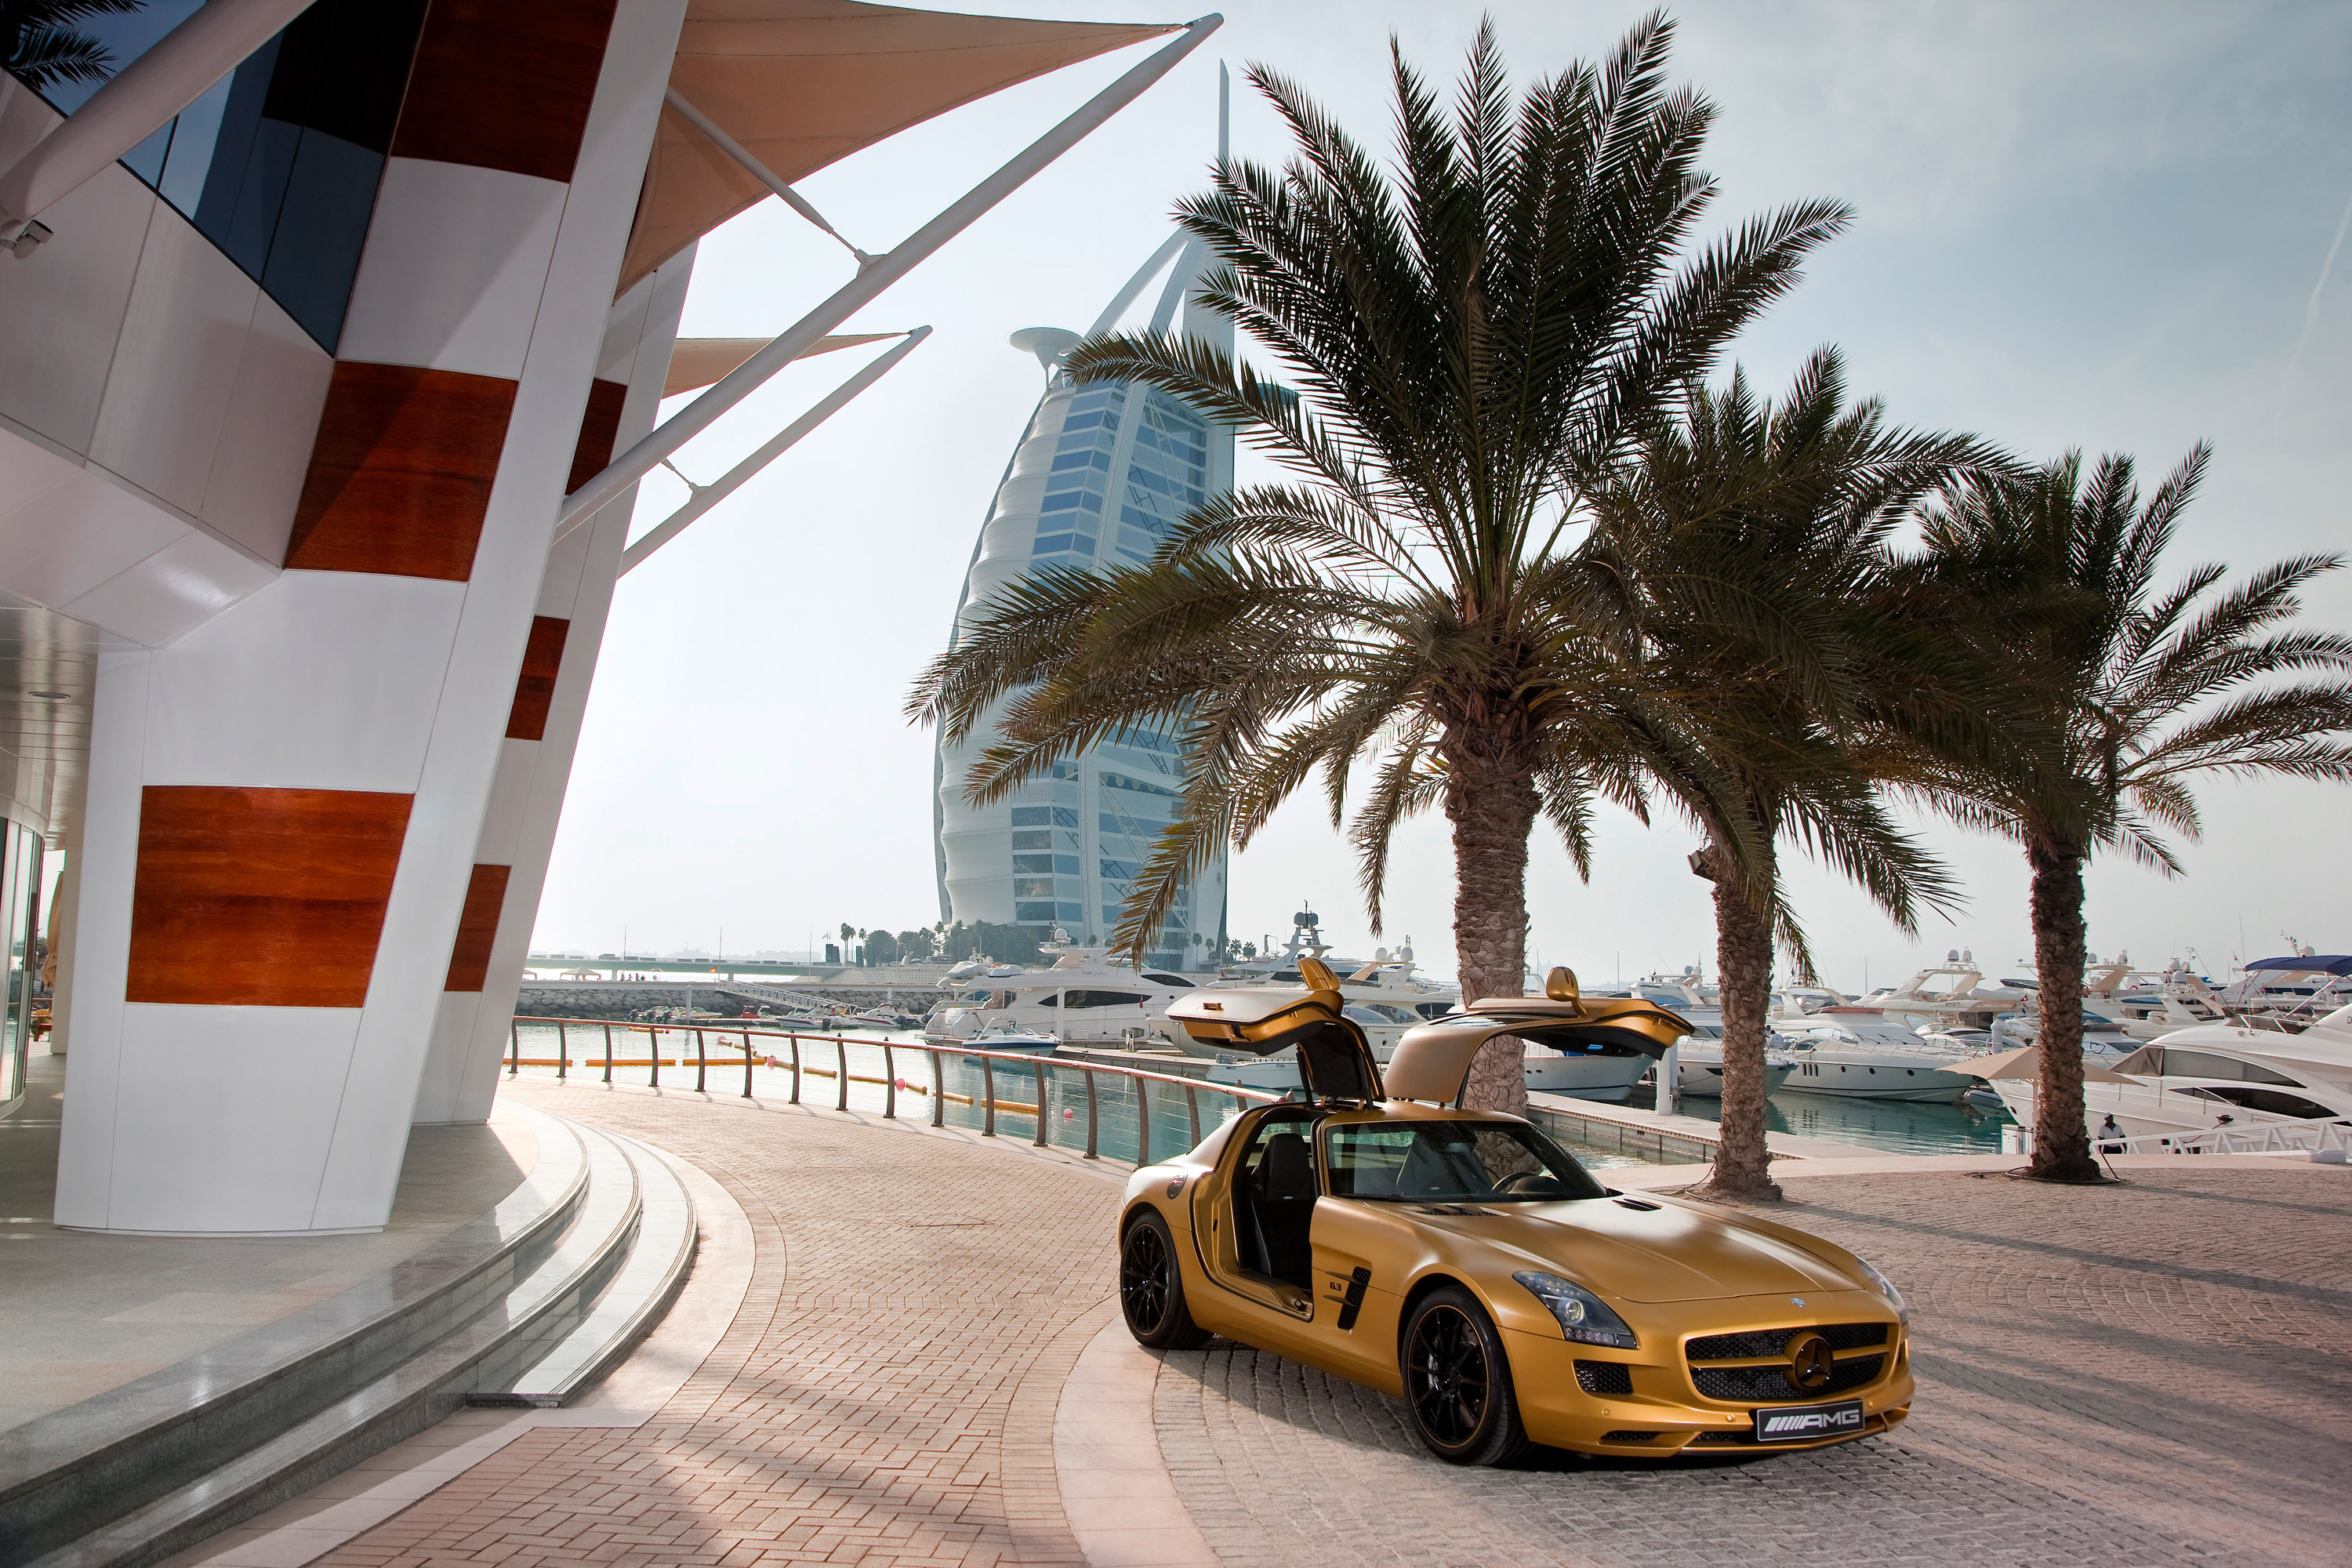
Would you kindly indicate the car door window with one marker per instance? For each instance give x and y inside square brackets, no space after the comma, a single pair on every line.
[1453,1161]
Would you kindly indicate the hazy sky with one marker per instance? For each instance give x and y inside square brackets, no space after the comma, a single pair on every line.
[2097,224]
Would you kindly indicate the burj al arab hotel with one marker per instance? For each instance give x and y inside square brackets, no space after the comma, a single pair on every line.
[1099,476]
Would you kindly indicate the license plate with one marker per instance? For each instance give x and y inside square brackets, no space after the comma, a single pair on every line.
[1808,1422]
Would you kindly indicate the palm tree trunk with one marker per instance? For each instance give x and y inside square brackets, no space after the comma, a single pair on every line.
[1743,964]
[2061,1146]
[1492,804]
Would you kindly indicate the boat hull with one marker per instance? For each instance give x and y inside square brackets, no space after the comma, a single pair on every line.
[1876,1081]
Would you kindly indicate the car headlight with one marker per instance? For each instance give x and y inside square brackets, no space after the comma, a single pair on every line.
[1886,1288]
[1582,1316]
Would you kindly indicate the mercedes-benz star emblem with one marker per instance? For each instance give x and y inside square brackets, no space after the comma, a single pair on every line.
[1810,1363]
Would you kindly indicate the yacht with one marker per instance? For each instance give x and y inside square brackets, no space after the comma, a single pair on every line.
[2216,1075]
[1840,1053]
[1938,998]
[2289,993]
[1699,1061]
[1086,998]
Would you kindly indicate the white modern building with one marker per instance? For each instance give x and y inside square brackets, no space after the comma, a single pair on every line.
[1101,475]
[333,341]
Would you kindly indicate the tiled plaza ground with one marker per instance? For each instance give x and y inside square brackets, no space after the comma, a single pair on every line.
[2151,1373]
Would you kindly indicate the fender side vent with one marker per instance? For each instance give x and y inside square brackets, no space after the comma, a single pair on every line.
[1641,1204]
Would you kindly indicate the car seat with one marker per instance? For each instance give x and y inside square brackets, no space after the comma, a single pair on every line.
[1284,1202]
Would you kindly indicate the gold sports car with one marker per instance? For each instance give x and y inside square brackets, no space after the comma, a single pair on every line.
[1463,1262]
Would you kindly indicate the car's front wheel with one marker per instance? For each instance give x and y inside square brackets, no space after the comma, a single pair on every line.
[1152,1288]
[1457,1383]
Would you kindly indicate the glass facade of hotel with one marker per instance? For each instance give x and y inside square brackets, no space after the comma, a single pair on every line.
[1100,477]
[277,165]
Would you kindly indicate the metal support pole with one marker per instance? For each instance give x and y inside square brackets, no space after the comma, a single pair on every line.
[747,1064]
[988,1092]
[1093,1151]
[701,1060]
[563,1057]
[655,1081]
[841,1050]
[732,388]
[1143,1121]
[759,170]
[608,1053]
[939,1090]
[890,1084]
[1041,1102]
[1193,1106]
[514,1049]
[796,1069]
[705,497]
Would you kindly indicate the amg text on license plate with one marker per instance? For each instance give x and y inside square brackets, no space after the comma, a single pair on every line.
[1809,1423]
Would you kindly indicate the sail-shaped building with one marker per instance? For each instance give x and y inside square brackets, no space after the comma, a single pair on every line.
[1101,475]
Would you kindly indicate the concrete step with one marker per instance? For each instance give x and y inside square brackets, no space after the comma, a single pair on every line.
[658,1261]
[545,1267]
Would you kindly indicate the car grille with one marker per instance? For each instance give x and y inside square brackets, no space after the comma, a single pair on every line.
[1774,1341]
[1765,1384]
[1629,1437]
[1604,1377]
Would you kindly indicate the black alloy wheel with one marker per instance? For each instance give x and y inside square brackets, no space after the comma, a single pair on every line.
[1152,1288]
[1457,1383]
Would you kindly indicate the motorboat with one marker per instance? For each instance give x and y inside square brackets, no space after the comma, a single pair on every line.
[2291,992]
[1386,980]
[1839,1053]
[1010,1039]
[1699,1057]
[2213,1075]
[1087,998]
[1940,997]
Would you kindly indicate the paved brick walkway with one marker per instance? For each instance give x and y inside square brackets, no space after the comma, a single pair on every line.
[886,1395]
[2150,1375]
[2155,1374]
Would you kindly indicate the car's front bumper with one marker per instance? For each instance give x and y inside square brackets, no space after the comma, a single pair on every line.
[1657,1411]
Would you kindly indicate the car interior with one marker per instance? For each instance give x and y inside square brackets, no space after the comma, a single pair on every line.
[1273,1201]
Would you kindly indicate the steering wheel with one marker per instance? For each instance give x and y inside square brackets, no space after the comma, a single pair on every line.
[1533,1184]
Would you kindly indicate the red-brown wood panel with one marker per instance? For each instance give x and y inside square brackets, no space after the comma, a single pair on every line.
[260,898]
[504,84]
[400,470]
[470,958]
[543,656]
[598,426]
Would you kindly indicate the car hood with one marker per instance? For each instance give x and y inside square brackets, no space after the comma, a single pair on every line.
[1667,1253]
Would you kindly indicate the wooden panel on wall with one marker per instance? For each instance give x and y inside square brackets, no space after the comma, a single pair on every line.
[504,84]
[469,957]
[400,470]
[599,424]
[542,657]
[261,898]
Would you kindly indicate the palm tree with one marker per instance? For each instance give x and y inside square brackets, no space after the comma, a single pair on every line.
[1468,346]
[2143,692]
[1753,543]
[39,45]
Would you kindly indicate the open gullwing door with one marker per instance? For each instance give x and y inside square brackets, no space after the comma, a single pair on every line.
[1431,1062]
[1335,1060]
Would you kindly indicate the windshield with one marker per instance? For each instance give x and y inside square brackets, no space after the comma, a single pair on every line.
[1452,1162]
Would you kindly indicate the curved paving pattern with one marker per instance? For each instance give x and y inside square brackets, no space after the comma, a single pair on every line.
[886,1394]
[2158,1373]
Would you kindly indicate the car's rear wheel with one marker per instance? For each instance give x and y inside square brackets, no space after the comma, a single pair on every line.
[1457,1383]
[1152,1288]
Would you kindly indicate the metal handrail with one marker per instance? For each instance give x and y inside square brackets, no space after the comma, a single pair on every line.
[889,1083]
[2251,1138]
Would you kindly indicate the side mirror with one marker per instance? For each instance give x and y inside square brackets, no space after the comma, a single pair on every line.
[1560,986]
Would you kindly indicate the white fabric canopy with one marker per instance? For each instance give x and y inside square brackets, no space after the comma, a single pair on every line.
[803,83]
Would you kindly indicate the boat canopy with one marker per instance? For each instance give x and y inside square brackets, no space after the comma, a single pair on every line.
[2314,964]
